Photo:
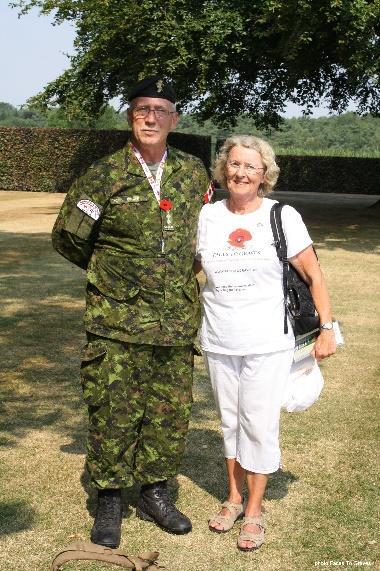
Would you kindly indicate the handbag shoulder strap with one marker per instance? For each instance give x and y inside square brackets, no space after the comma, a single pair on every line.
[282,252]
[278,231]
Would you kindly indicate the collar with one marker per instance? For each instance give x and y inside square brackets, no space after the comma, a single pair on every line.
[133,167]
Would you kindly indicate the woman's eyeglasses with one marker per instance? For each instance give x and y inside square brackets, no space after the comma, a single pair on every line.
[234,166]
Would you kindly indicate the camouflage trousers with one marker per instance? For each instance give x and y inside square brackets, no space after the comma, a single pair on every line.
[139,399]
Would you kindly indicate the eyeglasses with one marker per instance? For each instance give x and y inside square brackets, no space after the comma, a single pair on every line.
[142,111]
[234,166]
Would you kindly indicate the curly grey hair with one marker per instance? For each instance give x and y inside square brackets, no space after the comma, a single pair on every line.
[262,147]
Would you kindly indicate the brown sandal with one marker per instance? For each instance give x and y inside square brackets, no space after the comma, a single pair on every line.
[236,511]
[256,538]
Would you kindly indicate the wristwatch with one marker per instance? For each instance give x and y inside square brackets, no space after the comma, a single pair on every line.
[327,325]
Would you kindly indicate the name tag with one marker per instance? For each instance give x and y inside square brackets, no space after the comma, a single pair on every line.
[128,199]
[135,198]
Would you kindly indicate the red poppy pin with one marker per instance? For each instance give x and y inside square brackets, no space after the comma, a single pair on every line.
[166,204]
[238,237]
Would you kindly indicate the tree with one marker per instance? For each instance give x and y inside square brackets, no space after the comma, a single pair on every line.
[347,134]
[12,117]
[6,110]
[57,117]
[225,57]
[107,119]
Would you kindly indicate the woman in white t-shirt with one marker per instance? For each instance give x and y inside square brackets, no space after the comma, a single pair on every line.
[242,335]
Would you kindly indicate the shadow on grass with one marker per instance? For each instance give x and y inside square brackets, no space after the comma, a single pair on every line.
[340,226]
[78,446]
[15,516]
[204,464]
[41,301]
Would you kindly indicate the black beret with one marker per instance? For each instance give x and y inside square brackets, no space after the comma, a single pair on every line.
[153,86]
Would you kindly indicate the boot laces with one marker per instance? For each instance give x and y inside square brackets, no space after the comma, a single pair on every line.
[108,509]
[169,506]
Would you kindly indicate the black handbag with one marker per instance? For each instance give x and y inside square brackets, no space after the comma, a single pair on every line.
[298,302]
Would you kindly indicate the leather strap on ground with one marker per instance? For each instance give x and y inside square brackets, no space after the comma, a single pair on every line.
[91,551]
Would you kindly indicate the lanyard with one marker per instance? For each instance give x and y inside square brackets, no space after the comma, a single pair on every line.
[155,184]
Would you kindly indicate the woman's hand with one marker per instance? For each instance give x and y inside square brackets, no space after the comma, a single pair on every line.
[325,345]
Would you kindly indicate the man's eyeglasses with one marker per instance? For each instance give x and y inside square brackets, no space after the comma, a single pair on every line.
[234,166]
[142,111]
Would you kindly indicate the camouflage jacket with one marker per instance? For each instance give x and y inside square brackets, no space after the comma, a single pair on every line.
[110,224]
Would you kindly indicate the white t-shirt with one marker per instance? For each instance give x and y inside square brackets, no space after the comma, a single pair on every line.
[243,299]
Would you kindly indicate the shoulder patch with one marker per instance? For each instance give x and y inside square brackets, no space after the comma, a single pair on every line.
[89,208]
[207,197]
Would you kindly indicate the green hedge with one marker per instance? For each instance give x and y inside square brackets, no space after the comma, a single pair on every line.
[346,175]
[351,175]
[48,160]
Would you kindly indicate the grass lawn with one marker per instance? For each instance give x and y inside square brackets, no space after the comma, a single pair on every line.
[321,509]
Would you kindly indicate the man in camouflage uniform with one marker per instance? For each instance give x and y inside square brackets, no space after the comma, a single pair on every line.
[134,232]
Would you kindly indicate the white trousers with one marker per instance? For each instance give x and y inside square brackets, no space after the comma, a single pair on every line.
[248,393]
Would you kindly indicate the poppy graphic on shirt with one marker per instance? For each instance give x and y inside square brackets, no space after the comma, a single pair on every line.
[238,237]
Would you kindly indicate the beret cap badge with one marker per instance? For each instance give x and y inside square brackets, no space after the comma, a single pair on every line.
[153,86]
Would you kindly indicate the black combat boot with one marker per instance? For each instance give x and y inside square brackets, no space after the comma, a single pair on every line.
[107,525]
[155,505]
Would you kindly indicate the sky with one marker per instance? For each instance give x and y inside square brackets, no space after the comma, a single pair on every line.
[33,53]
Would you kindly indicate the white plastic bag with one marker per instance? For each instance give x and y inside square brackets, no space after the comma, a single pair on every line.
[303,387]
